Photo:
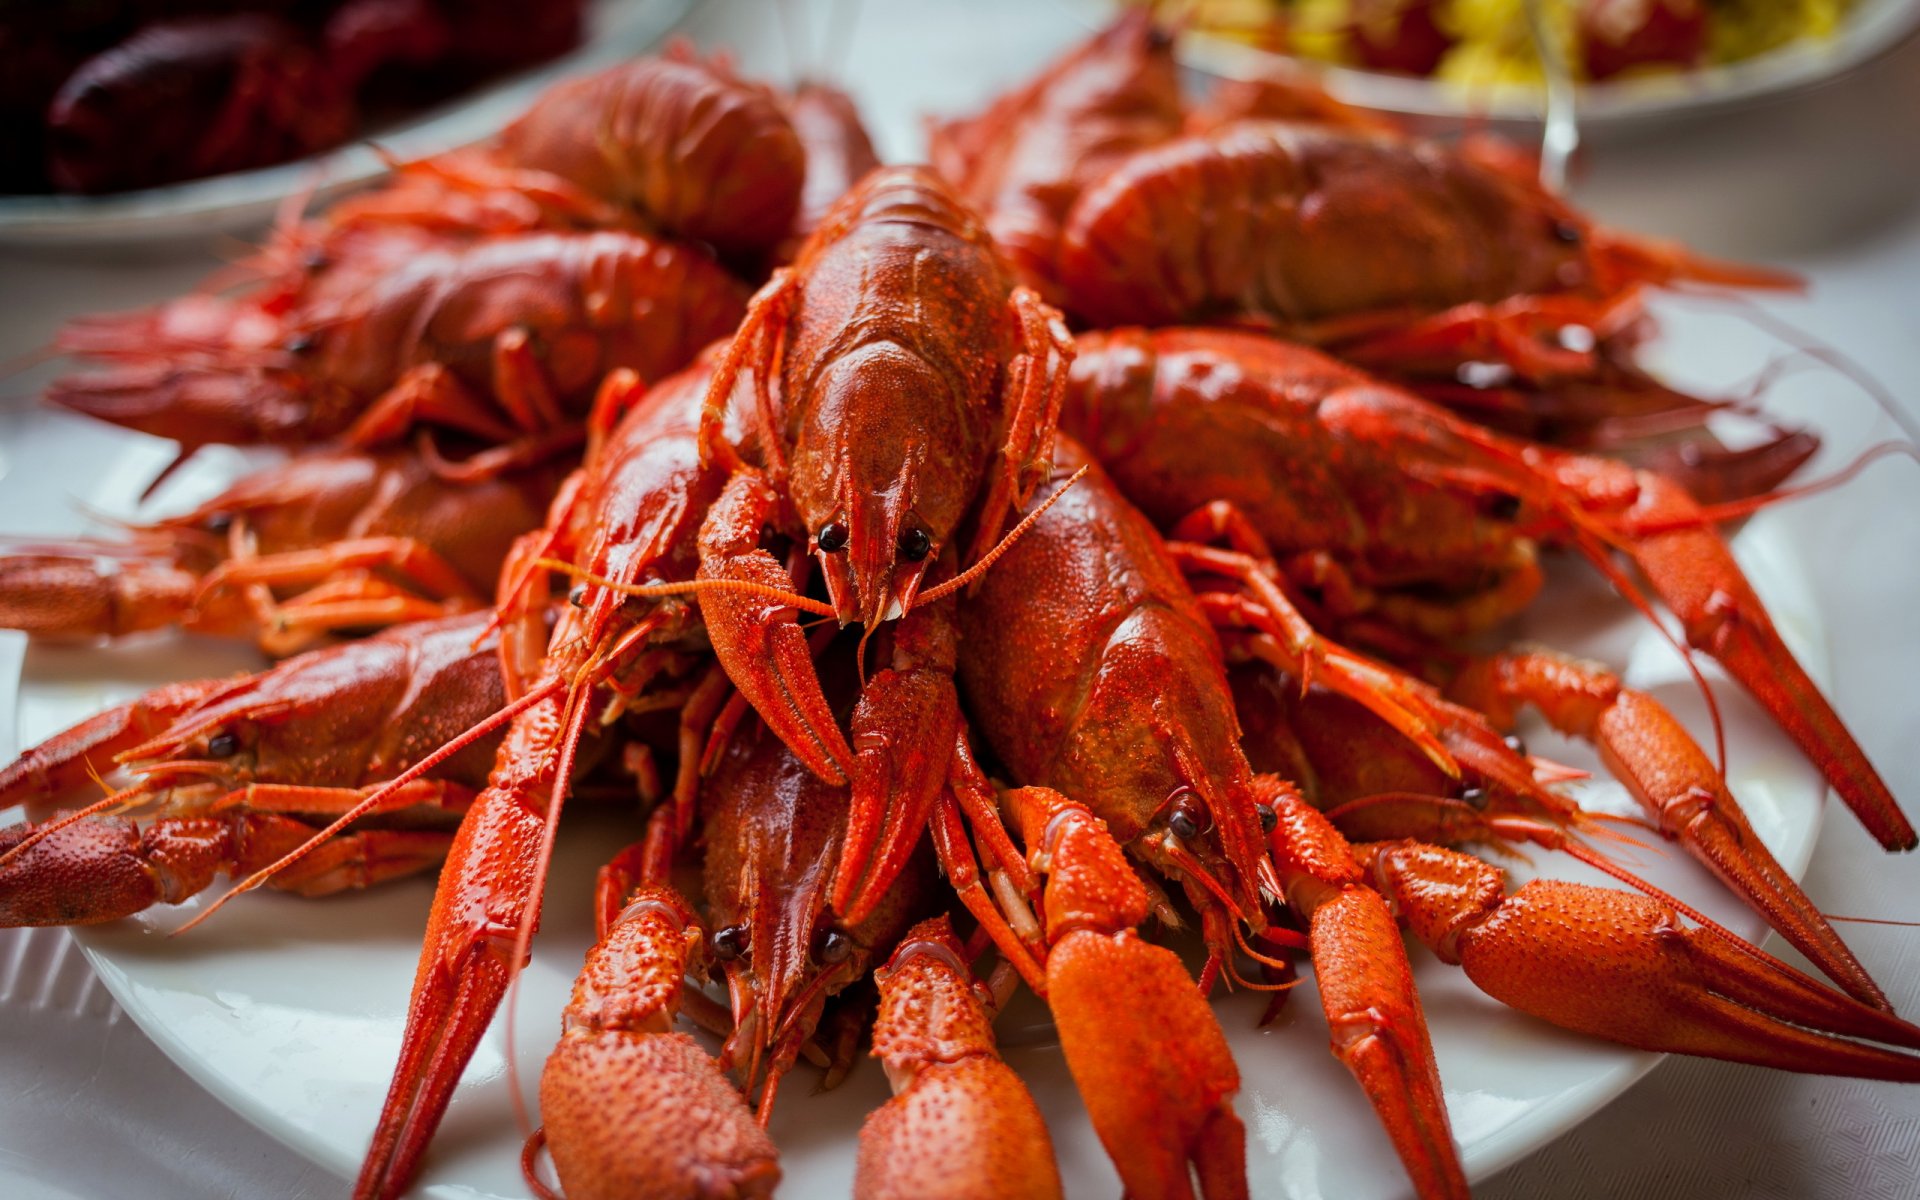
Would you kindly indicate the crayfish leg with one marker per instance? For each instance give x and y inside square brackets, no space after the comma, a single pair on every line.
[1366,986]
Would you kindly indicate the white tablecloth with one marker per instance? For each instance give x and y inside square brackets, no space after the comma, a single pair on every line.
[1827,182]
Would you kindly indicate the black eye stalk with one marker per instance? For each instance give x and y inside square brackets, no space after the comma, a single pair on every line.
[833,537]
[729,942]
[223,745]
[1190,818]
[1268,817]
[831,945]
[915,544]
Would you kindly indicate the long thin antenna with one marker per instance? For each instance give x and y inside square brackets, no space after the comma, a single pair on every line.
[1006,543]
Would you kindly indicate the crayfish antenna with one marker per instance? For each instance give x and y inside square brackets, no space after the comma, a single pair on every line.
[966,577]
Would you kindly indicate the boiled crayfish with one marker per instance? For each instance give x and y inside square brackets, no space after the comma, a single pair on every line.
[1448,269]
[1156,624]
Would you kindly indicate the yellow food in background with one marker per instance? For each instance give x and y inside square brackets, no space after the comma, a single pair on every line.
[1493,43]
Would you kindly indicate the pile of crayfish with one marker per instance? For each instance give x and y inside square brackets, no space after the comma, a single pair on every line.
[1097,532]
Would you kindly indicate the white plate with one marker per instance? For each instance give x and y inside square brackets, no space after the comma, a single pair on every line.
[616,29]
[1871,28]
[291,1011]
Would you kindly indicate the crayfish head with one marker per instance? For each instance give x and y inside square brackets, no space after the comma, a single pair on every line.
[773,839]
[1209,834]
[1155,751]
[198,763]
[884,467]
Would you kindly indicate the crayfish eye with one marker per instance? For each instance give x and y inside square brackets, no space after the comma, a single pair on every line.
[219,523]
[577,595]
[1474,797]
[729,942]
[301,343]
[1268,818]
[223,745]
[1190,818]
[1515,744]
[831,945]
[833,537]
[1568,232]
[915,544]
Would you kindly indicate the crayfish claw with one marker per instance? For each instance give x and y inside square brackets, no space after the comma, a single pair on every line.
[631,1107]
[1690,568]
[960,1123]
[1160,1101]
[1652,754]
[758,638]
[1622,966]
[1379,1029]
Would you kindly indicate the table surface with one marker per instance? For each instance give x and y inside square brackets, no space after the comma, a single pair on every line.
[1826,182]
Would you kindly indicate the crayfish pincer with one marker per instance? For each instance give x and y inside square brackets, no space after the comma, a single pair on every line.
[633,1108]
